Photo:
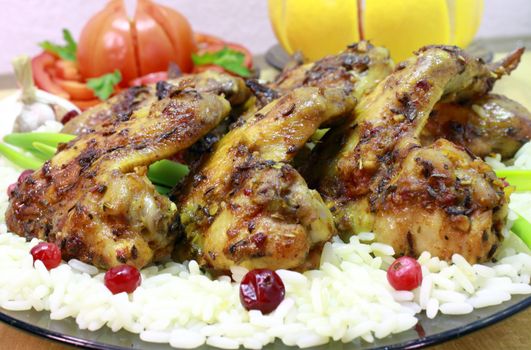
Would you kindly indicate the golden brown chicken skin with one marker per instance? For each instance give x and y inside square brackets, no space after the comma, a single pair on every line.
[418,198]
[486,125]
[357,70]
[93,198]
[246,205]
[132,99]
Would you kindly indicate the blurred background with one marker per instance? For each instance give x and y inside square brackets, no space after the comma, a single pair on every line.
[25,23]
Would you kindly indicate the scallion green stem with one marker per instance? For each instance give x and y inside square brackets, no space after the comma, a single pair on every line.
[22,160]
[26,139]
[521,179]
[166,172]
[522,228]
[38,154]
[48,151]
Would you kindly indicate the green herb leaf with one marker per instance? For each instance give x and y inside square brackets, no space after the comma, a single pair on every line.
[66,52]
[103,86]
[231,60]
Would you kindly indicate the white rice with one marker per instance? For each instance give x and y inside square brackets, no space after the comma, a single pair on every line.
[346,299]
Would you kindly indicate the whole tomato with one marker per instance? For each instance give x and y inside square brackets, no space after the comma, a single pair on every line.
[147,43]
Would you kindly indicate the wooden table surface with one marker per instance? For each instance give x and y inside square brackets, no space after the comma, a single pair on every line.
[512,333]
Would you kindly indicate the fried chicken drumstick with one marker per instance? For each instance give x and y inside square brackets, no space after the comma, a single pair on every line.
[246,205]
[437,198]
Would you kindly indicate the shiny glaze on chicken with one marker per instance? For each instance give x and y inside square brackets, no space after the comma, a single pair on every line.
[246,205]
[437,198]
[93,198]
[486,125]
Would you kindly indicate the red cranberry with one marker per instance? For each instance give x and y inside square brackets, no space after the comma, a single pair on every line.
[122,278]
[69,115]
[11,189]
[24,175]
[48,253]
[261,289]
[404,273]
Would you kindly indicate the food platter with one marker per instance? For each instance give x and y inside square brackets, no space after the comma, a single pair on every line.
[185,210]
[430,332]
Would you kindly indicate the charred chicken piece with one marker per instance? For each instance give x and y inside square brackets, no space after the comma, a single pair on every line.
[487,125]
[93,198]
[417,198]
[246,205]
[132,99]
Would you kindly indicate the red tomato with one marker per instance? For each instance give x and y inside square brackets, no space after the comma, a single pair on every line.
[205,67]
[404,273]
[67,70]
[76,90]
[150,78]
[86,104]
[204,40]
[106,44]
[178,30]
[210,43]
[248,61]
[41,64]
[156,36]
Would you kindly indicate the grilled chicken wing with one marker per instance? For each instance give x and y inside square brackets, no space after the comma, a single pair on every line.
[418,198]
[357,70]
[93,198]
[246,205]
[487,125]
[132,99]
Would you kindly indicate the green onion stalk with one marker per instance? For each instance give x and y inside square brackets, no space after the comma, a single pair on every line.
[42,146]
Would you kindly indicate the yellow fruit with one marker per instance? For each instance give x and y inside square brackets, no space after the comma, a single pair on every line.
[316,27]
[277,17]
[323,27]
[467,17]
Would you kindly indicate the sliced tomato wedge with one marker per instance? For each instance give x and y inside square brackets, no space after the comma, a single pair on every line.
[211,43]
[150,78]
[204,40]
[205,67]
[86,104]
[67,70]
[41,64]
[76,90]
